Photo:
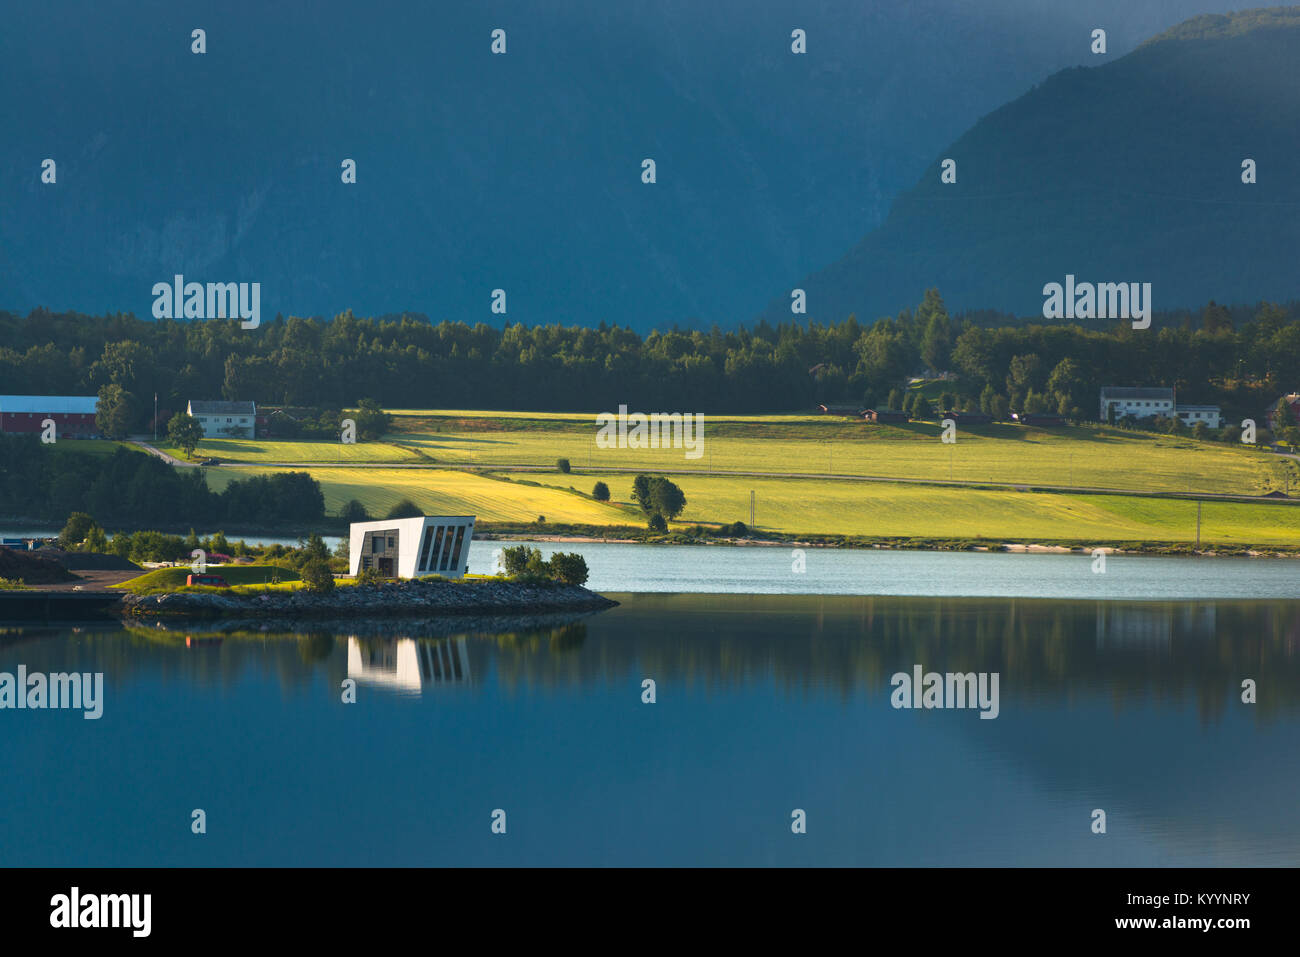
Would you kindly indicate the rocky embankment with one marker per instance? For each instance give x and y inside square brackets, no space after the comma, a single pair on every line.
[404,599]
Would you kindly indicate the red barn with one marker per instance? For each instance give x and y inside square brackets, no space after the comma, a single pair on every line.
[73,415]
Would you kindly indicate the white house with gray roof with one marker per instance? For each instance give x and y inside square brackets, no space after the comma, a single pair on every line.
[225,420]
[1141,403]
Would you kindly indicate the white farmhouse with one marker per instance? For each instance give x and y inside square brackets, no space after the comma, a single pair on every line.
[1191,414]
[225,420]
[412,547]
[1139,403]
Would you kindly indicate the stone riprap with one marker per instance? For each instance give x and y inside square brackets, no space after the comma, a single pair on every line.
[404,599]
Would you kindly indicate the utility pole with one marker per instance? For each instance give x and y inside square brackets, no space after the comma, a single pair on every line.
[1198,523]
[155,418]
[751,508]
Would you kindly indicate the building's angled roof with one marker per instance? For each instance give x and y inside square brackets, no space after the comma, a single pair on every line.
[58,404]
[1124,392]
[205,407]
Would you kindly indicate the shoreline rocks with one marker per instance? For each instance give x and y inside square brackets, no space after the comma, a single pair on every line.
[389,600]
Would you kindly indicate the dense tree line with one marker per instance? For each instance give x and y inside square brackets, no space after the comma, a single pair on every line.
[1231,356]
[49,482]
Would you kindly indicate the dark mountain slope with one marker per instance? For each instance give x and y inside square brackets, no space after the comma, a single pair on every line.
[475,172]
[1130,171]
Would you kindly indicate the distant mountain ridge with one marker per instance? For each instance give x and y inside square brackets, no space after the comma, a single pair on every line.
[1126,172]
[477,172]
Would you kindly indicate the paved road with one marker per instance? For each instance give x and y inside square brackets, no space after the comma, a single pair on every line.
[618,469]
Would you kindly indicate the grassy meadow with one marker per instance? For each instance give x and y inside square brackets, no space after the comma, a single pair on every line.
[1093,457]
[870,509]
[495,445]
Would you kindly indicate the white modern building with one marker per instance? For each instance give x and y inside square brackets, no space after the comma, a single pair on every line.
[412,547]
[224,420]
[1139,403]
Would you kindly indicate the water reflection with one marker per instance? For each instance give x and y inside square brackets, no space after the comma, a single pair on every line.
[765,703]
[407,666]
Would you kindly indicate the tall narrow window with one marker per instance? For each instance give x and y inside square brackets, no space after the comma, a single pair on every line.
[424,552]
[446,547]
[455,549]
[437,550]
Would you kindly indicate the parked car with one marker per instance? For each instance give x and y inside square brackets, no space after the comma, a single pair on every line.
[210,461]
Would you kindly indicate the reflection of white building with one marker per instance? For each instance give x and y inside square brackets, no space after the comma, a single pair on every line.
[406,665]
[411,547]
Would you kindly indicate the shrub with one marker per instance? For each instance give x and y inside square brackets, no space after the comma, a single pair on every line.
[562,465]
[569,567]
[368,576]
[600,492]
[516,559]
[317,576]
[657,523]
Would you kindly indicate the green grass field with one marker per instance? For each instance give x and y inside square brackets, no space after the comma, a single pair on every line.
[452,492]
[170,579]
[259,450]
[814,507]
[1011,454]
[1092,457]
[1085,456]
[826,506]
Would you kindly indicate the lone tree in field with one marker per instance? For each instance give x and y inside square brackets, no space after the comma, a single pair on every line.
[658,496]
[600,492]
[562,465]
[185,432]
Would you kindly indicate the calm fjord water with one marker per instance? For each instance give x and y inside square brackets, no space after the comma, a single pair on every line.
[764,704]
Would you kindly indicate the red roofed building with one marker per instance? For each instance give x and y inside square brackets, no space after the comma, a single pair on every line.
[73,415]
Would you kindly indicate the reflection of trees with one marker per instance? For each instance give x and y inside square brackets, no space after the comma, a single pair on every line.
[1169,653]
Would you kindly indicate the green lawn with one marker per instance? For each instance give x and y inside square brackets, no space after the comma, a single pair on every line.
[451,492]
[1089,456]
[826,506]
[1012,454]
[260,450]
[170,579]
